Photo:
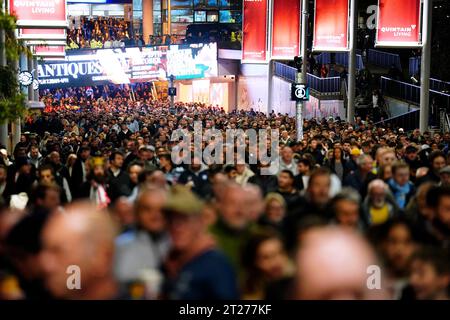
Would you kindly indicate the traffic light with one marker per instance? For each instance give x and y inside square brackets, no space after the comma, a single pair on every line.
[298,63]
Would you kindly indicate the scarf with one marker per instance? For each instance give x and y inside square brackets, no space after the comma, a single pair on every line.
[400,192]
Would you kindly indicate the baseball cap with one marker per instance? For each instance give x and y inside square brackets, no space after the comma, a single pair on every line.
[182,200]
[355,152]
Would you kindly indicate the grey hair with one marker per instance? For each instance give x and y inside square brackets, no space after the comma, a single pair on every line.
[362,159]
[377,183]
[348,194]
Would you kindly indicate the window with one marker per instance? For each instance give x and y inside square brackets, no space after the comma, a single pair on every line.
[157,28]
[225,3]
[199,3]
[200,16]
[137,5]
[212,16]
[212,3]
[227,16]
[182,15]
[157,5]
[234,4]
[77,10]
[156,16]
[181,3]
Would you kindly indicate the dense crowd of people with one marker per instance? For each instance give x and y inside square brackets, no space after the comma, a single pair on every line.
[94,184]
[111,32]
[99,32]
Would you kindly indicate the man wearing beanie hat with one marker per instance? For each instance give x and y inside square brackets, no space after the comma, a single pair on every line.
[193,264]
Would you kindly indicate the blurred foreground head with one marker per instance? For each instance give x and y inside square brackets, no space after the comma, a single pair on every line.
[82,237]
[332,264]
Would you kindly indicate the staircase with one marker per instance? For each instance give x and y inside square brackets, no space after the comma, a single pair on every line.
[407,121]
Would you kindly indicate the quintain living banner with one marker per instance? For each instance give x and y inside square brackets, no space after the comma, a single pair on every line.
[39,13]
[285,29]
[331,25]
[398,23]
[254,47]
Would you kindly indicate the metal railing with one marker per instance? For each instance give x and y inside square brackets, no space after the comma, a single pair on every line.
[324,85]
[444,121]
[285,71]
[439,85]
[324,58]
[321,85]
[384,59]
[342,59]
[407,121]
[447,123]
[411,93]
[435,84]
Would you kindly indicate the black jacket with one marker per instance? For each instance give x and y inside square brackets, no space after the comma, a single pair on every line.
[118,186]
[77,177]
[267,183]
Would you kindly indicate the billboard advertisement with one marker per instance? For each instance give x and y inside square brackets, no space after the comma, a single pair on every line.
[194,61]
[50,51]
[130,65]
[39,13]
[285,29]
[42,34]
[398,23]
[331,19]
[254,45]
[101,1]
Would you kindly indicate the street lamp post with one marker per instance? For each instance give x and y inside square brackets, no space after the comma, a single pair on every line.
[425,67]
[352,64]
[301,75]
[172,96]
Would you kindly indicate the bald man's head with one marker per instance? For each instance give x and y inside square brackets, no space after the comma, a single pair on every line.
[84,237]
[332,263]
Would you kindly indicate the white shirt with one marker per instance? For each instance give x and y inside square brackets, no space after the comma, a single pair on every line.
[305,180]
[83,169]
[115,173]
